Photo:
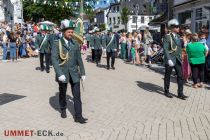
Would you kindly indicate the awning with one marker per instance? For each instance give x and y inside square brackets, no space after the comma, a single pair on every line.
[157,21]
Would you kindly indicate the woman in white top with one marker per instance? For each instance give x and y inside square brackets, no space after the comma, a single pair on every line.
[129,43]
[137,46]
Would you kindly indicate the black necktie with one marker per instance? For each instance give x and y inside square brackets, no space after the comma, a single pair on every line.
[69,43]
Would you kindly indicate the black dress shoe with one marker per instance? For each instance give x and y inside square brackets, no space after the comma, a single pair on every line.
[113,68]
[48,71]
[63,114]
[168,95]
[108,68]
[42,69]
[183,97]
[85,118]
[80,120]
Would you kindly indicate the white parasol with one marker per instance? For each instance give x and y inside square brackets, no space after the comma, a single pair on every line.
[47,22]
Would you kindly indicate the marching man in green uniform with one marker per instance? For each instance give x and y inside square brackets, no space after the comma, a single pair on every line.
[69,68]
[97,46]
[91,43]
[43,44]
[111,49]
[173,58]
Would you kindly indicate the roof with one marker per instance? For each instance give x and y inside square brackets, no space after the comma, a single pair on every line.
[111,4]
[161,19]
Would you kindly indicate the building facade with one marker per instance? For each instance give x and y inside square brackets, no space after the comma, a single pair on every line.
[114,17]
[101,16]
[11,11]
[192,13]
[138,18]
[139,23]
[140,14]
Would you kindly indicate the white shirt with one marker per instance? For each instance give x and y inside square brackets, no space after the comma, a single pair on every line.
[5,38]
[149,51]
[174,34]
[66,41]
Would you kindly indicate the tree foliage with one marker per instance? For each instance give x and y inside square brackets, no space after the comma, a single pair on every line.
[124,16]
[52,11]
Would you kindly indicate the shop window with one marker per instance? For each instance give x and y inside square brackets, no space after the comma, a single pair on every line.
[200,14]
[134,19]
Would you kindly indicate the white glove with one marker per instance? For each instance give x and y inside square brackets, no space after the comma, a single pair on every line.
[170,63]
[83,78]
[62,78]
[92,47]
[104,50]
[115,50]
[37,51]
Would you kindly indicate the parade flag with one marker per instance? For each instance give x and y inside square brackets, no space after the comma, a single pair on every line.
[79,27]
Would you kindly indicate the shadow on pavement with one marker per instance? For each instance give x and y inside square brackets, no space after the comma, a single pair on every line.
[150,87]
[37,68]
[89,58]
[54,102]
[101,66]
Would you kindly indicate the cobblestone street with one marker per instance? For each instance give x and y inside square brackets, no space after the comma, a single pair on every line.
[122,104]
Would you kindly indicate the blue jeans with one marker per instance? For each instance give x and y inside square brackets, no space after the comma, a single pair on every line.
[4,51]
[12,50]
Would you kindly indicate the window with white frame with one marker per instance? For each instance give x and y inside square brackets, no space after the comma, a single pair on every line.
[118,20]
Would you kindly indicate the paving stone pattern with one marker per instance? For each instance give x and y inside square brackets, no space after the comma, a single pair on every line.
[122,104]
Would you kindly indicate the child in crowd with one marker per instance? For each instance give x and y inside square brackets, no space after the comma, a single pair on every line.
[149,54]
[84,46]
[133,54]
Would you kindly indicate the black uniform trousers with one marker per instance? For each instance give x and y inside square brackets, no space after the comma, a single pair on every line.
[98,53]
[75,89]
[47,60]
[168,71]
[112,55]
[93,55]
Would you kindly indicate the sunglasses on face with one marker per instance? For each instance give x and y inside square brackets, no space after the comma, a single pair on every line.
[176,26]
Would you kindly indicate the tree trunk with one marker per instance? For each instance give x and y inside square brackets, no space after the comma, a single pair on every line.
[125,27]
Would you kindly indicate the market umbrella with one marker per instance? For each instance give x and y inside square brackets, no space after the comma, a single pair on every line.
[47,22]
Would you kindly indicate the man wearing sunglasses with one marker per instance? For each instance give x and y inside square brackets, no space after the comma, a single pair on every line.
[173,60]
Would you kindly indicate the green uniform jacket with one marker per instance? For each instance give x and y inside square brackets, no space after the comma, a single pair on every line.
[91,40]
[103,41]
[97,42]
[113,44]
[46,47]
[168,53]
[73,67]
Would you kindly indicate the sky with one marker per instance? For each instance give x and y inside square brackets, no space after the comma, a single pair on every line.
[103,3]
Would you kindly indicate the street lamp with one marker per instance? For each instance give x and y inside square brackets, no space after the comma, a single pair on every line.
[136,7]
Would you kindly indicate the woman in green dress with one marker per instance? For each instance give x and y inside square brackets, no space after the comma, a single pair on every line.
[123,41]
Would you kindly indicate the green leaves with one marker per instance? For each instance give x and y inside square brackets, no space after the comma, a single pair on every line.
[124,15]
[55,10]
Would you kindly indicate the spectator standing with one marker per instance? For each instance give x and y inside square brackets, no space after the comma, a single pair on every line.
[196,52]
[123,42]
[5,46]
[12,44]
